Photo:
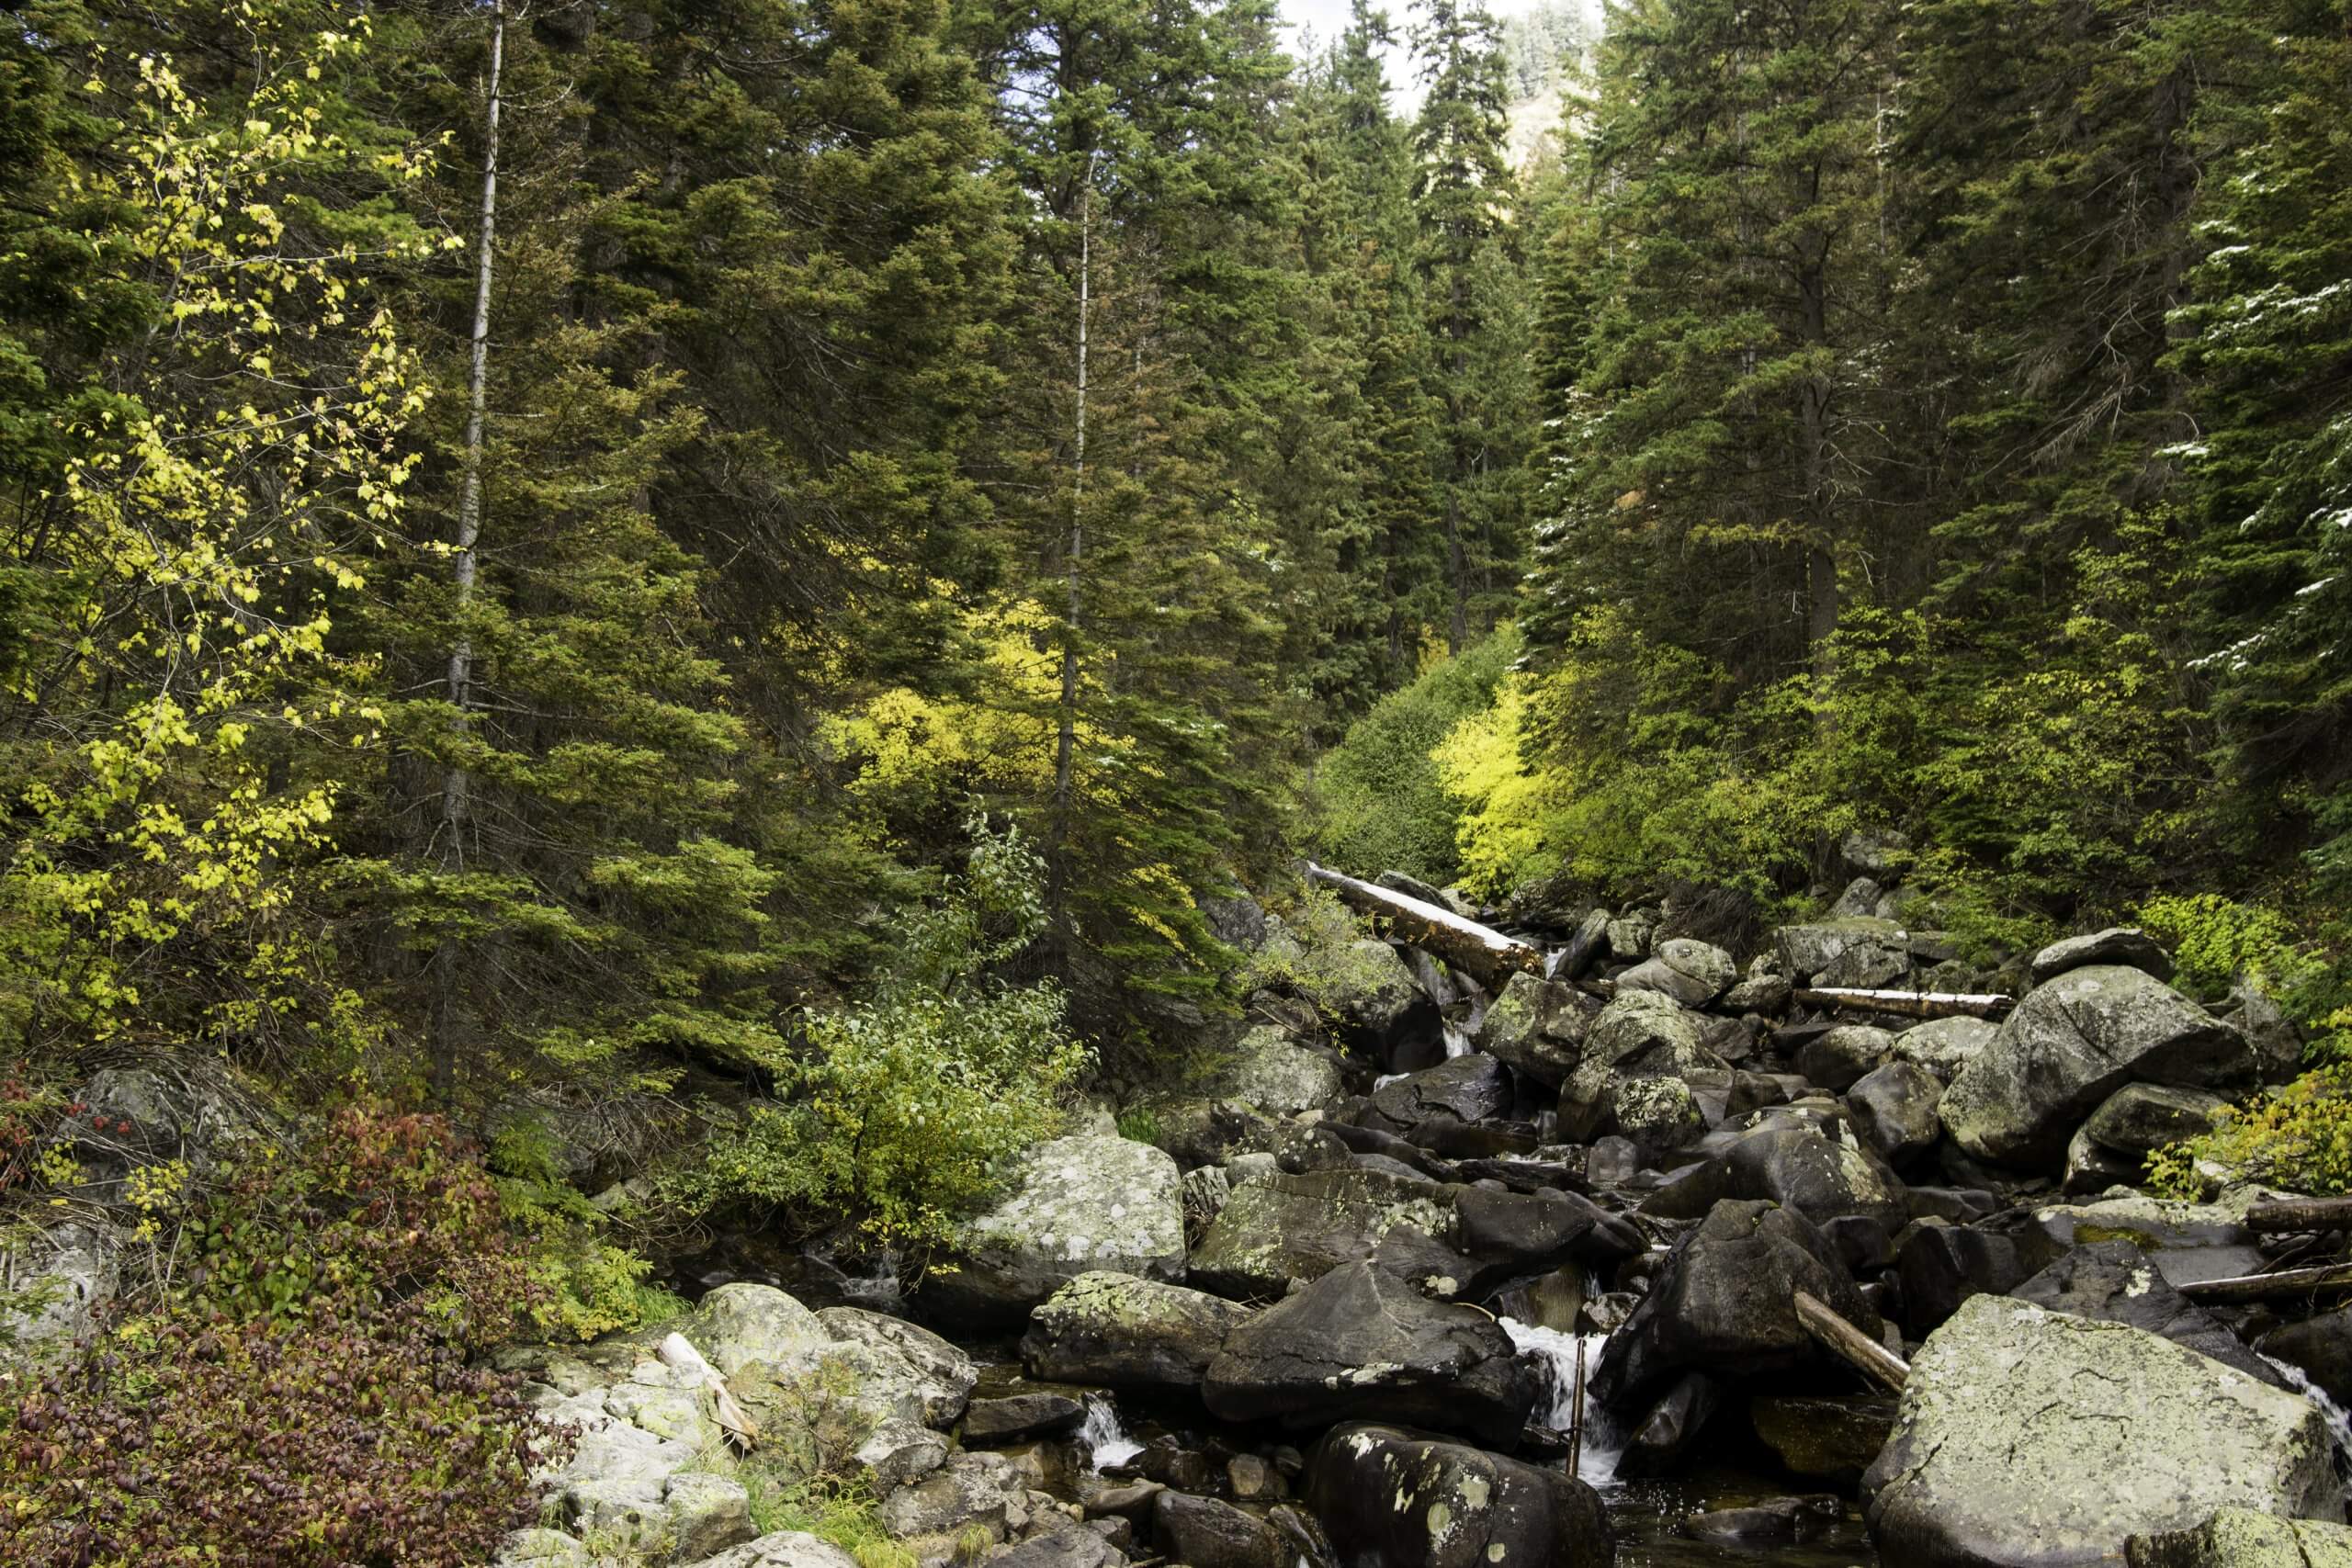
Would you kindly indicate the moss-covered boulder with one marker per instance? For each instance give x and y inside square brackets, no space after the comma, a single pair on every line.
[1394,1498]
[2032,1437]
[1117,1329]
[1278,1227]
[2245,1538]
[1076,1205]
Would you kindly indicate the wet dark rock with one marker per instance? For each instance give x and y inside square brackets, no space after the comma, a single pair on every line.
[2126,945]
[1359,1340]
[1821,1177]
[1299,1147]
[1777,1521]
[1068,1545]
[1765,994]
[1116,1499]
[1527,1175]
[1862,1240]
[1613,1161]
[1531,1232]
[1117,1329]
[1839,1058]
[1010,1417]
[1959,1205]
[1252,1480]
[1823,1439]
[1279,1227]
[2069,1045]
[1372,1141]
[1939,1266]
[1659,1115]
[1473,1140]
[1463,1089]
[2321,1347]
[1390,1497]
[2114,1281]
[1205,1533]
[1663,1440]
[1893,1107]
[1173,1461]
[1721,1303]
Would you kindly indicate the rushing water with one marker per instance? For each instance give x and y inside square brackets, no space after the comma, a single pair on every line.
[1457,1040]
[1106,1442]
[2339,1422]
[1554,1354]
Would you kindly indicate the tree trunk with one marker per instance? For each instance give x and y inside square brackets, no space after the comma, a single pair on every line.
[456,785]
[1480,952]
[1066,735]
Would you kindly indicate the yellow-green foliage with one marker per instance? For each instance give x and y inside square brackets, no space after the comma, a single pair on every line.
[588,1285]
[2299,1139]
[1378,803]
[840,1512]
[2214,940]
[906,1108]
[1322,961]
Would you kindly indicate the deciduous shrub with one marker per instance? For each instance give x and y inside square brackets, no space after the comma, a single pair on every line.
[2299,1139]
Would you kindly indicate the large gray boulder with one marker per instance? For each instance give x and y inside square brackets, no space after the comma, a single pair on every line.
[940,1375]
[1693,973]
[2114,1281]
[1117,1329]
[1278,1227]
[1207,1532]
[1722,1303]
[738,1323]
[1860,951]
[1945,1045]
[1370,990]
[2244,1537]
[1820,1176]
[1839,1058]
[1537,1027]
[1638,1034]
[1469,1088]
[2127,945]
[62,1276]
[2113,1145]
[1077,1205]
[1392,1498]
[1361,1341]
[1990,1462]
[781,1548]
[1269,1069]
[2069,1045]
[1894,1109]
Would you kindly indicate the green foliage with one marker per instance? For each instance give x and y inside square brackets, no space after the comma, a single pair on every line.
[905,1108]
[1379,802]
[1320,956]
[1140,1125]
[2299,1138]
[2215,942]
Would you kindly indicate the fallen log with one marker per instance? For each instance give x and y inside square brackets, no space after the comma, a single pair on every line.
[1480,952]
[1908,1004]
[2269,1287]
[1850,1344]
[2301,1214]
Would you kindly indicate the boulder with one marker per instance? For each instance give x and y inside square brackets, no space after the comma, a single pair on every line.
[62,1276]
[1238,920]
[1823,1439]
[1077,1205]
[1390,1497]
[1269,1069]
[1767,995]
[1989,1463]
[1944,1045]
[943,1375]
[1659,1115]
[1368,987]
[1630,934]
[133,1116]
[1774,1522]
[1664,1437]
[1842,1057]
[1808,951]
[2126,945]
[2113,1281]
[976,1488]
[2113,1145]
[2244,1537]
[542,1548]
[2277,1039]
[1129,1333]
[1821,1177]
[1881,852]
[2187,1242]
[1895,1110]
[1537,1027]
[783,1549]
[1638,1034]
[1278,1227]
[1065,1545]
[1693,973]
[1466,1088]
[2069,1045]
[2321,1348]
[1361,1340]
[1202,1532]
[1006,1418]
[739,1324]
[1722,1303]
[1861,898]
[1529,1233]
[1939,1266]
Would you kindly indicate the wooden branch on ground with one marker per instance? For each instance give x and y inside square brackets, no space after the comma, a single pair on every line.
[2268,1287]
[1480,952]
[1908,1004]
[2301,1214]
[1850,1344]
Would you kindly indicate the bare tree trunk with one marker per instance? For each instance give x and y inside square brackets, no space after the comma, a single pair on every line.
[455,784]
[1066,738]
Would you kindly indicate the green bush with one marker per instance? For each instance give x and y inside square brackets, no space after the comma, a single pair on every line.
[2299,1139]
[905,1110]
[1378,804]
[2214,940]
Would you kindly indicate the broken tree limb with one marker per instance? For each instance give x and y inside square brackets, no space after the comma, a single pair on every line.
[678,1352]
[1850,1344]
[2301,1214]
[1908,1004]
[2268,1287]
[1480,952]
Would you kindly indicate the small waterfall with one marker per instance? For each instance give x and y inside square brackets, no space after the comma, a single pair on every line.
[1457,1040]
[1555,1356]
[1386,1078]
[2340,1423]
[1106,1442]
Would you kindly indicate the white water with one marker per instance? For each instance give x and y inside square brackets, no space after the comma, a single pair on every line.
[2339,1422]
[1555,1355]
[1106,1442]
[1457,1040]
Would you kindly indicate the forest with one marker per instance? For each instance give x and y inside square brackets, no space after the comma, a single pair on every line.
[640,634]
